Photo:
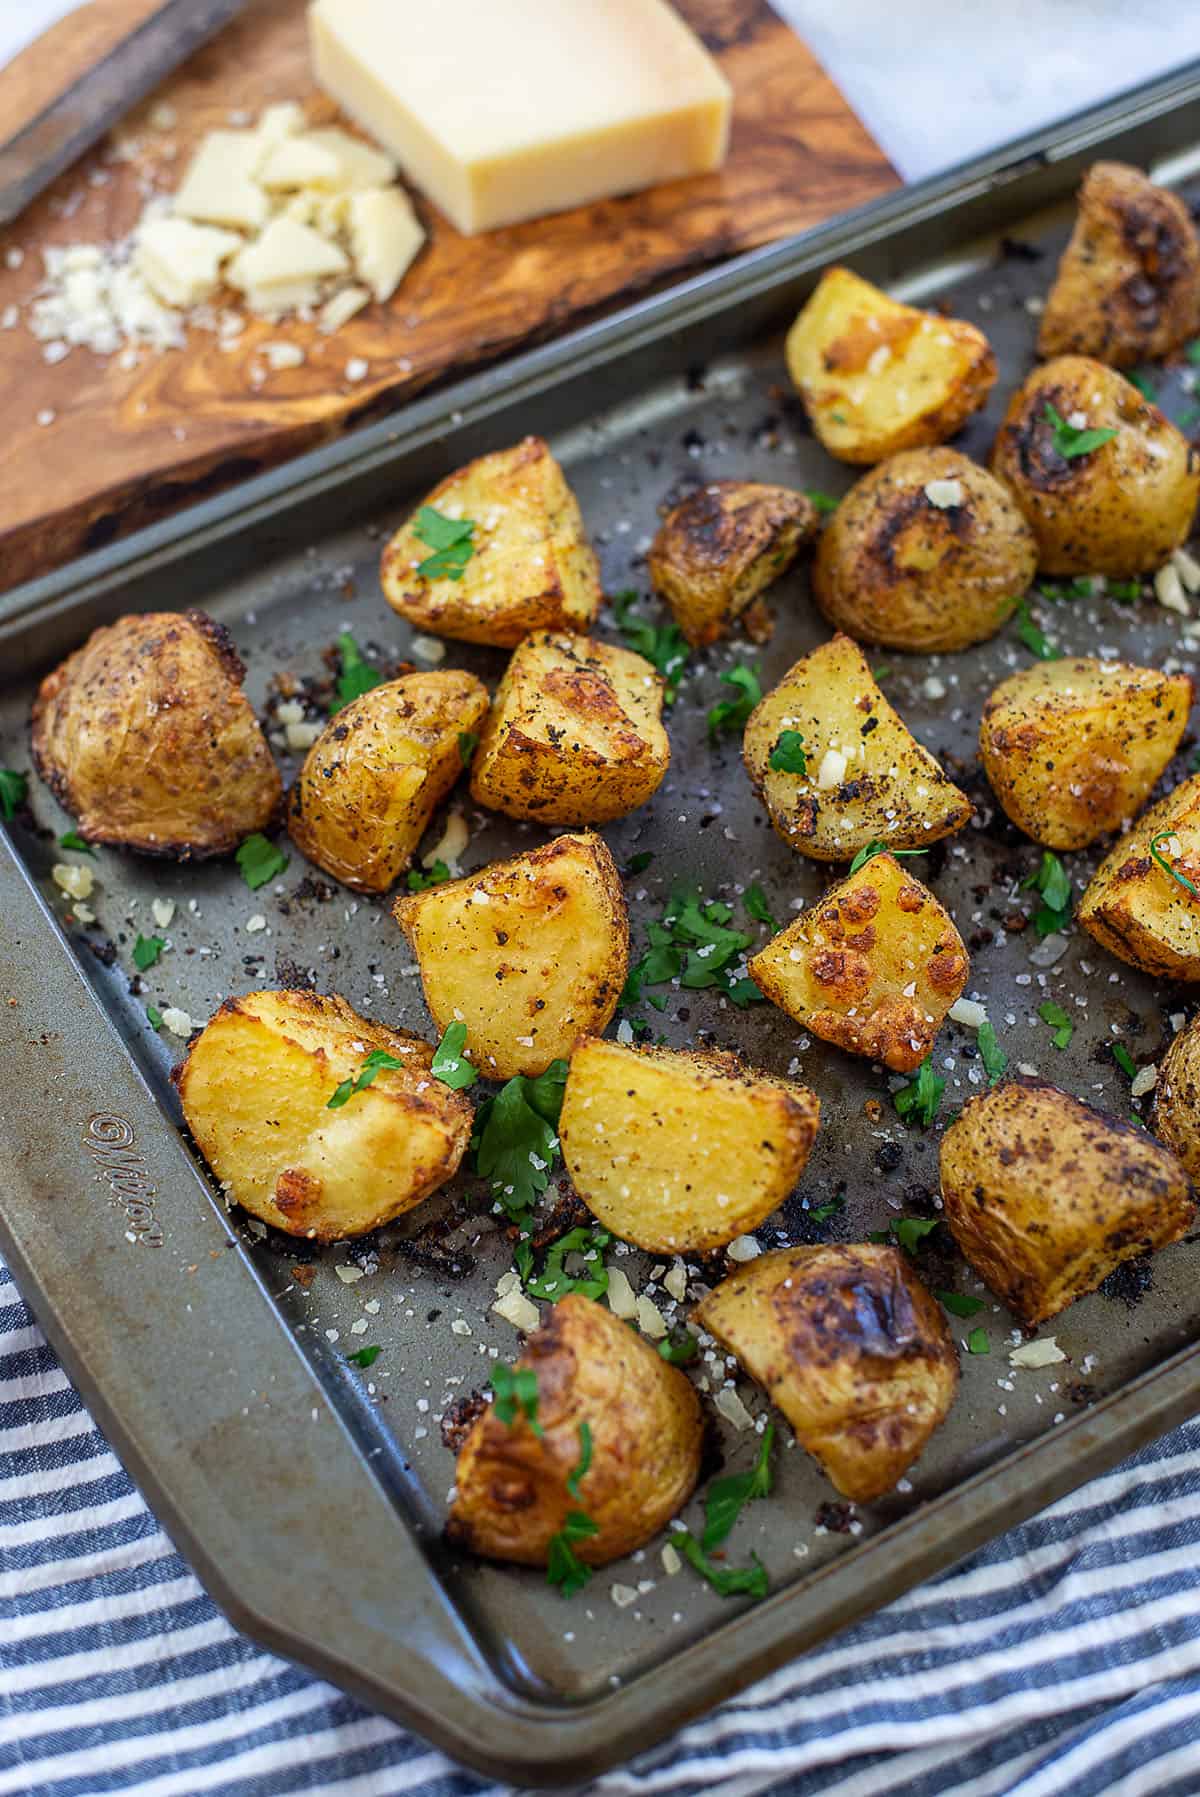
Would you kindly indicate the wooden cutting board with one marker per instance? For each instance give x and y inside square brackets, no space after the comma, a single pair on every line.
[119,447]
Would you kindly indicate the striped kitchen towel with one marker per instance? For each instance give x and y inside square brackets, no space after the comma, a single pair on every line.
[1062,1661]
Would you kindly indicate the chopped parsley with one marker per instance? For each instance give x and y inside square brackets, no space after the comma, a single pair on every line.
[419,880]
[452,542]
[693,944]
[1123,591]
[515,1139]
[73,840]
[639,863]
[1059,1022]
[365,1357]
[991,1054]
[726,1498]
[146,951]
[1032,635]
[730,715]
[154,1017]
[754,903]
[788,757]
[1181,879]
[260,861]
[564,1568]
[909,1232]
[553,1281]
[821,1213]
[920,1098]
[876,847]
[468,742]
[959,1304]
[726,1581]
[979,1342]
[882,672]
[1072,440]
[449,1064]
[679,1350]
[1192,352]
[1053,882]
[822,503]
[515,1389]
[366,1076]
[357,676]
[14,789]
[579,1473]
[1081,587]
[1124,1059]
[663,645]
[1144,385]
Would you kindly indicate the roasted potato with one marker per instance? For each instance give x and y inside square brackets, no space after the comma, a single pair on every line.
[574,735]
[850,1346]
[1177,1098]
[926,552]
[530,953]
[1046,1196]
[1128,286]
[718,550]
[530,565]
[1073,747]
[877,376]
[147,738]
[679,1152]
[377,772]
[511,1491]
[1143,902]
[874,966]
[865,778]
[257,1088]
[1117,509]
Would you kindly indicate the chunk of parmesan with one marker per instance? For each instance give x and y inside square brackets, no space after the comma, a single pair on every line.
[298,162]
[622,1300]
[1043,1352]
[219,187]
[359,165]
[385,235]
[180,261]
[518,1310]
[288,255]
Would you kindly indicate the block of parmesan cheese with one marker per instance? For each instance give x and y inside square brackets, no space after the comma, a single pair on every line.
[503,110]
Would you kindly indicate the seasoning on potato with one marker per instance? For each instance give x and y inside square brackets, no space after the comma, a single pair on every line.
[316,1120]
[146,737]
[514,1483]
[496,550]
[721,547]
[1177,1098]
[1143,902]
[850,1346]
[1045,1196]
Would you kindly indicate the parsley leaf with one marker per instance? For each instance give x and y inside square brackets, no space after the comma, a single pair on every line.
[1168,836]
[875,847]
[1059,1022]
[679,1350]
[419,880]
[260,861]
[910,1232]
[73,840]
[979,1342]
[357,676]
[920,1098]
[821,1213]
[579,1473]
[959,1304]
[515,1388]
[1031,634]
[664,645]
[693,944]
[1144,385]
[1192,352]
[154,1017]
[564,1568]
[726,1581]
[554,1281]
[788,757]
[1123,591]
[990,1052]
[515,1138]
[1053,881]
[452,542]
[1124,1059]
[14,789]
[366,1076]
[639,863]
[1072,440]
[754,901]
[726,1498]
[822,503]
[449,1064]
[730,715]
[146,951]
[364,1357]
[468,742]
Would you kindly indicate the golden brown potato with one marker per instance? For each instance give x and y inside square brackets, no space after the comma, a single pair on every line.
[530,566]
[926,552]
[1128,286]
[718,550]
[530,953]
[874,966]
[378,771]
[146,736]
[680,1152]
[866,778]
[1073,747]
[256,1090]
[1177,1098]
[1046,1196]
[878,376]
[574,735]
[1118,509]
[1135,906]
[850,1346]
[511,1491]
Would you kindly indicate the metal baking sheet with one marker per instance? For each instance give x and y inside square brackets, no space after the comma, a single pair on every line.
[310,1496]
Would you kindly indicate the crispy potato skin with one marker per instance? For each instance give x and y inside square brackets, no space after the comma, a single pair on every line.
[850,1346]
[894,568]
[511,1487]
[718,550]
[874,967]
[255,1089]
[1046,1196]
[377,772]
[574,735]
[679,1152]
[1128,286]
[878,376]
[892,790]
[1073,747]
[1177,1098]
[1134,908]
[146,737]
[1119,509]
[533,567]
[531,953]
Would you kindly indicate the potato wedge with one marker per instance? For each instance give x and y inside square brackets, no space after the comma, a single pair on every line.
[1046,1196]
[146,737]
[718,550]
[1118,509]
[1128,286]
[874,966]
[926,552]
[511,1491]
[1177,1098]
[1073,747]
[679,1152]
[877,376]
[256,1088]
[850,1346]
[530,567]
[530,953]
[1135,906]
[866,778]
[378,771]
[574,735]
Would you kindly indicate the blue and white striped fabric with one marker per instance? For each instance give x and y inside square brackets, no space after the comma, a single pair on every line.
[1064,1661]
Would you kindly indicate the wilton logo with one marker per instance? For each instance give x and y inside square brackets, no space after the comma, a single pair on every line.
[109,1139]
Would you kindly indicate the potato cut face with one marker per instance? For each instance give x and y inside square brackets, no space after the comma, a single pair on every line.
[1135,907]
[850,1346]
[681,1152]
[1046,1196]
[255,1089]
[574,735]
[146,737]
[531,953]
[877,376]
[1073,747]
[866,778]
[1177,1098]
[531,565]
[644,1417]
[873,967]
[720,548]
